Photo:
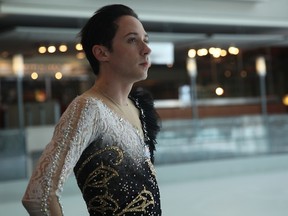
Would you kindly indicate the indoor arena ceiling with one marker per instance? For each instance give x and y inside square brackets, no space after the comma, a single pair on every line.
[26,24]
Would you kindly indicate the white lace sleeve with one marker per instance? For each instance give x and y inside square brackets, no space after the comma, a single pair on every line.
[75,130]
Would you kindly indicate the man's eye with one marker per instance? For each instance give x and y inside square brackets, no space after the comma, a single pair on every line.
[132,40]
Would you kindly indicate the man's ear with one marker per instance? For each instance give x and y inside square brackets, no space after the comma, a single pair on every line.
[100,52]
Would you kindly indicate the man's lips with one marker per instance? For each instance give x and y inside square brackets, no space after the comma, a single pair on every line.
[145,64]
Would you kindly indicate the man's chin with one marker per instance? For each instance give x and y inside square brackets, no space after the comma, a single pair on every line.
[144,77]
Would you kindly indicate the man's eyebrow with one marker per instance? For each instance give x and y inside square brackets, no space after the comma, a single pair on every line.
[136,34]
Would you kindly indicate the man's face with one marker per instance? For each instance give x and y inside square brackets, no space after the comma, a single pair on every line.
[129,57]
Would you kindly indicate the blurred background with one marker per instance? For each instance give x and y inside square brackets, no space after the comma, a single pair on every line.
[219,79]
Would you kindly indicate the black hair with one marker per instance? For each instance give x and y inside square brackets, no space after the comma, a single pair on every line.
[101,28]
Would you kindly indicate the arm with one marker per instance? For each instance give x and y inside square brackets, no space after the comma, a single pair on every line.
[71,136]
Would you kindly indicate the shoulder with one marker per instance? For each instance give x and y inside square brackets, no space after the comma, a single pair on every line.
[83,102]
[82,107]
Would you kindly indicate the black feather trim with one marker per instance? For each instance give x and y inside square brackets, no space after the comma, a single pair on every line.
[149,118]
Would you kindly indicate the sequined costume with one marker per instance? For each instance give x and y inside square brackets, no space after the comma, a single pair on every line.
[112,162]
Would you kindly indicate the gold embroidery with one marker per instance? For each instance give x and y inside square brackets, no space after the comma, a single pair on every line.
[103,203]
[99,179]
[139,204]
[116,149]
[103,174]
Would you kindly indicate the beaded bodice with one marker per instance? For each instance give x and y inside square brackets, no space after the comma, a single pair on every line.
[111,161]
[115,173]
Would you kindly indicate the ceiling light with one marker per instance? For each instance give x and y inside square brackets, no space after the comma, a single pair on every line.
[202,52]
[211,50]
[42,49]
[58,75]
[63,48]
[34,75]
[216,52]
[79,47]
[233,50]
[223,53]
[191,53]
[219,91]
[51,49]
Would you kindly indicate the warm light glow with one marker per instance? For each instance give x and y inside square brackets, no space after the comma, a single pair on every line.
[18,65]
[219,91]
[191,67]
[40,96]
[227,73]
[191,53]
[80,55]
[58,75]
[211,50]
[216,53]
[223,53]
[243,74]
[51,49]
[42,49]
[34,75]
[202,52]
[79,47]
[63,48]
[233,50]
[261,66]
[285,100]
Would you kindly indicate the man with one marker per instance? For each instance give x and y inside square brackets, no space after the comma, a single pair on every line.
[107,134]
